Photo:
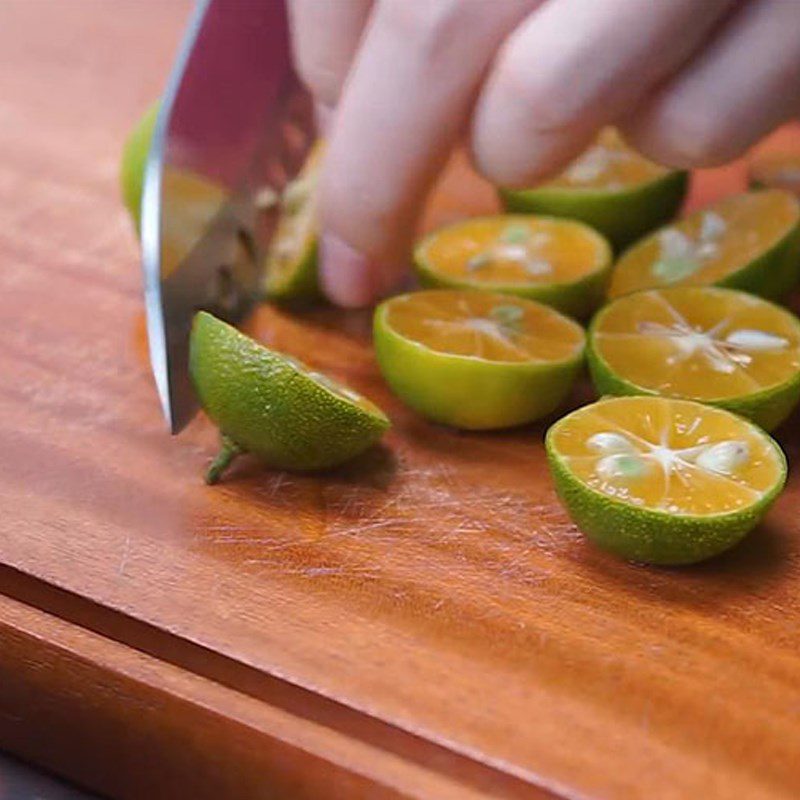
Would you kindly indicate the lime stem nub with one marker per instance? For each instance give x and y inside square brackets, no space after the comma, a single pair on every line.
[222,460]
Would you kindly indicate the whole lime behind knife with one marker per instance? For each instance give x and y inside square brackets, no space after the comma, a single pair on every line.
[290,268]
[269,404]
[134,159]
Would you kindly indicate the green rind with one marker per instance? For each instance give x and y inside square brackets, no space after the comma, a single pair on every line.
[578,299]
[648,536]
[772,275]
[767,408]
[302,284]
[134,160]
[622,217]
[466,392]
[271,409]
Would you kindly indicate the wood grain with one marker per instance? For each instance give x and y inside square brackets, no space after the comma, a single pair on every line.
[430,606]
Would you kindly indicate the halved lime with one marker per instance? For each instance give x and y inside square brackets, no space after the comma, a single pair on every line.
[610,187]
[134,159]
[559,262]
[272,406]
[290,269]
[747,241]
[718,346]
[775,171]
[663,481]
[477,360]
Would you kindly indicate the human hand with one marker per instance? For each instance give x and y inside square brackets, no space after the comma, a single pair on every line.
[529,83]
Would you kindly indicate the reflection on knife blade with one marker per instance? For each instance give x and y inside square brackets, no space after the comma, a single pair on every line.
[233,117]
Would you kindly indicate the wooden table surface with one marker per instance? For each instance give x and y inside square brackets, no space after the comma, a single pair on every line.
[423,623]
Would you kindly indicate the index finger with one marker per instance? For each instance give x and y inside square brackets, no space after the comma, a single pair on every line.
[405,102]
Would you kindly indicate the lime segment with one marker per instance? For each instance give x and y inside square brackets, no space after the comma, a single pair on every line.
[477,360]
[610,187]
[776,171]
[714,345]
[561,263]
[748,241]
[274,407]
[290,270]
[663,481]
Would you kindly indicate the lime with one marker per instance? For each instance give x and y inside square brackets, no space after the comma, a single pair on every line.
[134,159]
[290,270]
[661,480]
[776,171]
[559,262]
[272,406]
[748,241]
[477,360]
[717,346]
[610,187]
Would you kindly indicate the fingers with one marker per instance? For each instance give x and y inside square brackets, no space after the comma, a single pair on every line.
[746,82]
[573,66]
[406,101]
[325,35]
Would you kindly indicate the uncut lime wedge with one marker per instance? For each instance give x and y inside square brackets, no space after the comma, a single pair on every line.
[134,159]
[290,269]
[560,263]
[663,481]
[270,405]
[775,171]
[477,360]
[748,241]
[610,187]
[718,346]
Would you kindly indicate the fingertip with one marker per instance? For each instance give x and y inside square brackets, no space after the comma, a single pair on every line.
[348,278]
[544,155]
[679,135]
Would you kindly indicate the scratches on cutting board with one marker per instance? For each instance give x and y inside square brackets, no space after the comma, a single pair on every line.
[339,528]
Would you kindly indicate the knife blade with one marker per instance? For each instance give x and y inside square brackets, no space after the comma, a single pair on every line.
[234,121]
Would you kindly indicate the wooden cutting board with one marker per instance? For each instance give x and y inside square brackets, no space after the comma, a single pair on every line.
[423,623]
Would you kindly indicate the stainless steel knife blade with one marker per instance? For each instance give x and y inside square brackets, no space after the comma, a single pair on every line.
[234,120]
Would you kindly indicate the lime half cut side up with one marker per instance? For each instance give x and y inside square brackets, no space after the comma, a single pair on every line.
[663,481]
[610,187]
[269,404]
[477,360]
[561,263]
[719,346]
[290,269]
[749,241]
[775,171]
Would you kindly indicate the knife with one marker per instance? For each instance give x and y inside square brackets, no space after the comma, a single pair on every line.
[234,126]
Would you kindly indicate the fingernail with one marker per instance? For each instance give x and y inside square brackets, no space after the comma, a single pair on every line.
[348,277]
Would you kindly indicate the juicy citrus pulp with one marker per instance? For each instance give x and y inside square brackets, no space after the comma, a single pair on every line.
[747,241]
[610,187]
[661,480]
[608,165]
[558,262]
[290,270]
[703,343]
[134,159]
[477,360]
[274,407]
[776,171]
